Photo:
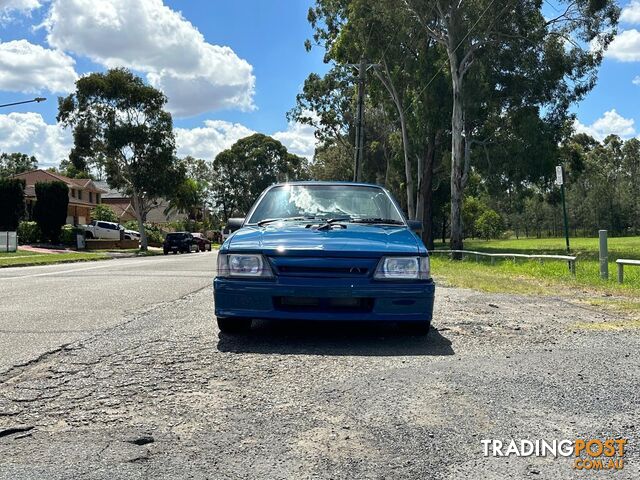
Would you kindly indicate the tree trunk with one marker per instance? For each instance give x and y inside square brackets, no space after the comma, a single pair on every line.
[424,206]
[389,85]
[407,164]
[137,206]
[457,161]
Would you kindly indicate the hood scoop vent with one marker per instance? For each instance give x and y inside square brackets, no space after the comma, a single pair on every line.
[328,226]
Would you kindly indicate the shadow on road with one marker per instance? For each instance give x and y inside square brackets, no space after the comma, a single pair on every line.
[333,338]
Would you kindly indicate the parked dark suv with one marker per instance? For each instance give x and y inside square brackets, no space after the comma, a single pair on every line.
[179,242]
[203,242]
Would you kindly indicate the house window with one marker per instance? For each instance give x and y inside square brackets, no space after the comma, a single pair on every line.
[90,197]
[97,198]
[73,192]
[79,194]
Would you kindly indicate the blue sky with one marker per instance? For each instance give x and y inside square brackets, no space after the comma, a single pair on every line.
[228,67]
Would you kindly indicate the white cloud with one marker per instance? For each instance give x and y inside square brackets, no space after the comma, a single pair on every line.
[626,46]
[208,141]
[299,139]
[217,135]
[29,68]
[29,133]
[631,13]
[636,80]
[7,6]
[610,123]
[147,36]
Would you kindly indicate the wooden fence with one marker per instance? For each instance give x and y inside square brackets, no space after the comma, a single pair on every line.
[571,261]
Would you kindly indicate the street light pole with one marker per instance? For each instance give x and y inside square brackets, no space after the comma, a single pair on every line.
[37,100]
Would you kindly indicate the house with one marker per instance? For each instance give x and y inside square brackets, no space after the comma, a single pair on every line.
[84,194]
[123,206]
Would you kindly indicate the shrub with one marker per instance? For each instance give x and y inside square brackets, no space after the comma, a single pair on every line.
[489,224]
[104,213]
[50,210]
[68,234]
[29,232]
[11,203]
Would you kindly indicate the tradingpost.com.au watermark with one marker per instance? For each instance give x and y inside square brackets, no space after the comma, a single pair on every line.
[589,454]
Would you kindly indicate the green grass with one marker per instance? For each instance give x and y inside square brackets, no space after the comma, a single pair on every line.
[49,258]
[550,277]
[583,248]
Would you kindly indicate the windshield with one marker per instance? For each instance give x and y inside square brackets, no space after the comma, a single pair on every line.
[326,202]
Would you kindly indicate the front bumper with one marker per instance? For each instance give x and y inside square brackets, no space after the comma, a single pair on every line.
[389,301]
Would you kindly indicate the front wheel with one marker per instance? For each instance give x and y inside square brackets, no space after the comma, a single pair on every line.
[420,327]
[233,324]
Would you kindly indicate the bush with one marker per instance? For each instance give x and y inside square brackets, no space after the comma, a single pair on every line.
[68,234]
[104,213]
[11,203]
[50,210]
[29,232]
[489,225]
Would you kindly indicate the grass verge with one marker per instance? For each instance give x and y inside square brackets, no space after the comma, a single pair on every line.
[551,277]
[50,258]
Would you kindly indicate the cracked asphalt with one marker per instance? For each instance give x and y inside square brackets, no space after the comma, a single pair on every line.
[151,388]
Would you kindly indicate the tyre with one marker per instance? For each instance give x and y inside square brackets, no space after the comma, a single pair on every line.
[233,324]
[420,327]
[88,235]
[166,252]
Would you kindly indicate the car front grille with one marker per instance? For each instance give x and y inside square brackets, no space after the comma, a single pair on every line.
[323,267]
[322,271]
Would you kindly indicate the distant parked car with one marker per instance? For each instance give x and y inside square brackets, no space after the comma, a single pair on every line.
[182,242]
[131,235]
[101,230]
[203,242]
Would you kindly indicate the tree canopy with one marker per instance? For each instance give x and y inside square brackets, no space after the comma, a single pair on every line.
[120,124]
[253,163]
[482,86]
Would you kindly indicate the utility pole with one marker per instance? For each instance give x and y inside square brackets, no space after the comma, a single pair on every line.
[358,153]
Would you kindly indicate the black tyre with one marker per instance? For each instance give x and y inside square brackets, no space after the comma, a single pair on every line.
[88,235]
[233,324]
[166,252]
[416,328]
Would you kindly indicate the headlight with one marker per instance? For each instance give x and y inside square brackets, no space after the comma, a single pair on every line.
[243,265]
[403,268]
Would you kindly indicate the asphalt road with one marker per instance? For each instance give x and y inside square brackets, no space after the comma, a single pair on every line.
[44,308]
[154,390]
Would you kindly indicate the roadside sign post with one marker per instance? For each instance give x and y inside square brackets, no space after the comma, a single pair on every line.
[560,181]
[604,255]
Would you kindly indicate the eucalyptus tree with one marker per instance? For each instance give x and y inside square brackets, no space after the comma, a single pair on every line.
[475,32]
[121,125]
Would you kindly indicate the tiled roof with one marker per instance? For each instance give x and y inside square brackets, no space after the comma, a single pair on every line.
[71,182]
[108,191]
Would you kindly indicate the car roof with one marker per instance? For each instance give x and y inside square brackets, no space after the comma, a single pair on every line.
[322,182]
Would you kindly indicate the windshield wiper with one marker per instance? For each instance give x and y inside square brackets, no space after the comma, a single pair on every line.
[388,221]
[284,219]
[328,222]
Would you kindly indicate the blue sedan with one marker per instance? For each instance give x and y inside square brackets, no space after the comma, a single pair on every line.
[324,251]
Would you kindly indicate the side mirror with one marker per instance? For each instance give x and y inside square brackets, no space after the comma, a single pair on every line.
[234,224]
[415,225]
